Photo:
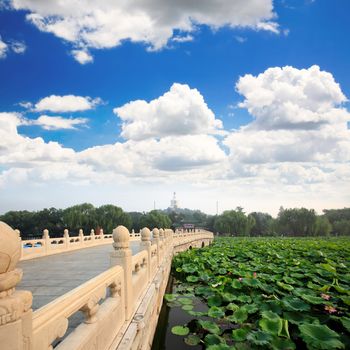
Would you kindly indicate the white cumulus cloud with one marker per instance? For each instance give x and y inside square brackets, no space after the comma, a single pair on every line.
[106,24]
[291,98]
[67,103]
[18,47]
[3,49]
[82,56]
[180,111]
[58,122]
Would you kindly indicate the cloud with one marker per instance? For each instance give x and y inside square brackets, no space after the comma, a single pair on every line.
[3,49]
[106,24]
[291,98]
[58,122]
[180,111]
[18,47]
[300,133]
[172,141]
[82,56]
[182,39]
[67,103]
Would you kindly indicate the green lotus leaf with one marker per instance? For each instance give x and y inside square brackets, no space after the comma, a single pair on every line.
[180,330]
[203,291]
[220,347]
[272,326]
[189,268]
[239,316]
[232,307]
[272,305]
[216,312]
[329,268]
[214,300]
[244,298]
[170,297]
[250,308]
[196,313]
[346,323]
[295,304]
[260,338]
[173,304]
[222,271]
[346,300]
[236,284]
[320,337]
[210,326]
[185,301]
[240,334]
[211,339]
[289,280]
[282,344]
[312,299]
[192,279]
[192,340]
[285,286]
[187,307]
[228,297]
[269,315]
[295,317]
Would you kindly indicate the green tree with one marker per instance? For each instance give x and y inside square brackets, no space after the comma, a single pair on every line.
[135,220]
[342,227]
[263,224]
[155,219]
[297,222]
[80,216]
[234,222]
[323,226]
[110,216]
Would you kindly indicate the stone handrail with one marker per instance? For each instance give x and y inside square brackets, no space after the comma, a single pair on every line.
[51,321]
[36,248]
[117,304]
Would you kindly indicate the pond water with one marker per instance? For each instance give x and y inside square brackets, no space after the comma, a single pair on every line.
[173,316]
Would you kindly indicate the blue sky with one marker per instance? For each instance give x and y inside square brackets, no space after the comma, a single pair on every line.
[287,144]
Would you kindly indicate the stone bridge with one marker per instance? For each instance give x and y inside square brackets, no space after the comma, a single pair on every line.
[118,288]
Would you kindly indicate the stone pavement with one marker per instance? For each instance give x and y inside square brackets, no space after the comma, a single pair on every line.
[52,276]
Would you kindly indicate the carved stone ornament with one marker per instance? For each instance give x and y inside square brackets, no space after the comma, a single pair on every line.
[121,237]
[12,304]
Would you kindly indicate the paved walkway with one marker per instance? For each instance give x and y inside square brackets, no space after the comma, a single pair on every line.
[52,276]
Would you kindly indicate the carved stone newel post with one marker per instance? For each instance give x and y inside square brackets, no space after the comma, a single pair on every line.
[15,306]
[156,239]
[122,256]
[46,238]
[146,245]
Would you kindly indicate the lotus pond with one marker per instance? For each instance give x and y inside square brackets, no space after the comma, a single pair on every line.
[262,293]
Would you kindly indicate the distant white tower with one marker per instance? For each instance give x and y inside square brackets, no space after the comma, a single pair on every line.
[174,204]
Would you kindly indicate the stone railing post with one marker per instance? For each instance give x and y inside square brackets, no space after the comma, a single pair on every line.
[46,238]
[146,245]
[15,306]
[122,256]
[66,237]
[81,236]
[156,239]
[101,233]
[92,234]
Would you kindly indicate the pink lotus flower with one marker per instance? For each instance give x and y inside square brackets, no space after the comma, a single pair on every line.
[254,274]
[240,279]
[330,309]
[325,296]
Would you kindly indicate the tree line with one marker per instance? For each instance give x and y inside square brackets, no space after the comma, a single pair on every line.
[289,222]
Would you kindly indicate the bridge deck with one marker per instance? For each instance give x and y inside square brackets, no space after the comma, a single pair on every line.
[52,276]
